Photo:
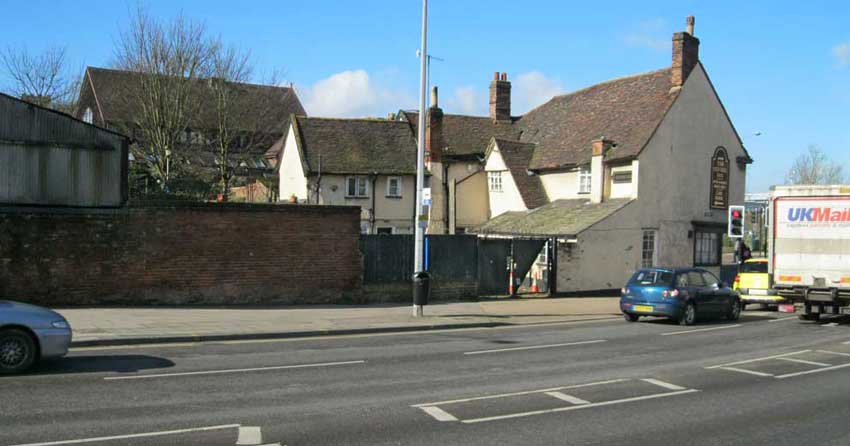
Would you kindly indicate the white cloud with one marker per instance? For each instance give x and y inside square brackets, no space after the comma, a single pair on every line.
[353,94]
[532,89]
[649,34]
[842,54]
[467,101]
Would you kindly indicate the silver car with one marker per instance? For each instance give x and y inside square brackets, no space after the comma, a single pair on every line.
[29,333]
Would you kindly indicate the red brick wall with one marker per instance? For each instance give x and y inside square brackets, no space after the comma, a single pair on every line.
[184,255]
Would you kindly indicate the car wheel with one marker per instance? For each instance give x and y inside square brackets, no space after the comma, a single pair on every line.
[17,351]
[689,315]
[734,310]
[743,306]
[630,317]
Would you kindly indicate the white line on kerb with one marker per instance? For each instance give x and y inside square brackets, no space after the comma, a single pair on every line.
[218,372]
[783,319]
[527,392]
[803,361]
[700,330]
[568,398]
[579,407]
[533,347]
[758,359]
[124,437]
[439,414]
[660,383]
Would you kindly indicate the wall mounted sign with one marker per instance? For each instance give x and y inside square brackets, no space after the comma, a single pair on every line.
[719,179]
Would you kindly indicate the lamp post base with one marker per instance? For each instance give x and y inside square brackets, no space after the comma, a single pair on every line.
[418,311]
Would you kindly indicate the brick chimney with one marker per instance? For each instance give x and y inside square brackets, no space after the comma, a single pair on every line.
[434,143]
[500,97]
[685,53]
[599,146]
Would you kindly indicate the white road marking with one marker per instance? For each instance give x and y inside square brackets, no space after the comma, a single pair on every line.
[527,392]
[249,436]
[831,324]
[439,414]
[803,361]
[698,330]
[533,347]
[807,372]
[666,385]
[845,343]
[583,406]
[568,398]
[784,319]
[751,372]
[758,359]
[125,437]
[833,353]
[218,372]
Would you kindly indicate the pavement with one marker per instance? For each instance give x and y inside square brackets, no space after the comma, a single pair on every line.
[116,326]
[765,379]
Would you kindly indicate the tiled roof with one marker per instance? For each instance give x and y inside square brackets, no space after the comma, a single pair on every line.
[626,111]
[467,135]
[516,156]
[356,146]
[558,218]
[114,91]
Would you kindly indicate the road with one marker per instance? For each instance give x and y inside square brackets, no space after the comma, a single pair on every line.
[766,379]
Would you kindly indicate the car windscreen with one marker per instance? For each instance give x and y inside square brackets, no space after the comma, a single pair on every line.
[754,267]
[652,278]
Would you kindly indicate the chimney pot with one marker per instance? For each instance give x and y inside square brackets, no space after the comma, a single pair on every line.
[504,76]
[690,22]
[434,102]
[496,76]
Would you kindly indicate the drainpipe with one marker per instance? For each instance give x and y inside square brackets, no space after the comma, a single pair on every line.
[446,194]
[374,178]
[319,181]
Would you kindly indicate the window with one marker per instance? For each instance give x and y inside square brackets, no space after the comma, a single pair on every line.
[584,180]
[542,258]
[495,180]
[706,248]
[394,187]
[88,116]
[651,277]
[754,267]
[357,187]
[647,252]
[385,231]
[622,177]
[695,279]
[710,279]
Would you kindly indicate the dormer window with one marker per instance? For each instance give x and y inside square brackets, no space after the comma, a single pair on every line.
[494,178]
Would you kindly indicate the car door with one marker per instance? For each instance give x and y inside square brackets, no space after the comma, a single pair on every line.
[722,295]
[703,295]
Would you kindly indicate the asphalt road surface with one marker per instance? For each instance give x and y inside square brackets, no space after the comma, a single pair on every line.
[766,379]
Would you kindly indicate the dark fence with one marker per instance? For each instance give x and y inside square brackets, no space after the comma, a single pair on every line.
[387,258]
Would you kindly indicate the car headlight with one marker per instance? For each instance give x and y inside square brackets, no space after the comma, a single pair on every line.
[60,324]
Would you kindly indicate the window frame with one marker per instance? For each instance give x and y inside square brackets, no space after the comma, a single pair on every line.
[585,180]
[653,251]
[494,177]
[617,177]
[358,182]
[702,247]
[382,230]
[398,192]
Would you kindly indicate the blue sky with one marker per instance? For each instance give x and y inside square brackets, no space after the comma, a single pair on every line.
[781,68]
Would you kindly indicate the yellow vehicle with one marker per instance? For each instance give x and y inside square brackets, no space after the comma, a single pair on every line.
[753,284]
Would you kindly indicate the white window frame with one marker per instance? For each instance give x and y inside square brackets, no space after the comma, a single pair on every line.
[361,187]
[88,116]
[398,182]
[649,245]
[494,181]
[584,180]
[708,248]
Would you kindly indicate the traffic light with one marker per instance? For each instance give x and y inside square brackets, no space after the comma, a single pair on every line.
[736,222]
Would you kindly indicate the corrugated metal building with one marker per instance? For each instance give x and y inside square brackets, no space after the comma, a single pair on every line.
[49,158]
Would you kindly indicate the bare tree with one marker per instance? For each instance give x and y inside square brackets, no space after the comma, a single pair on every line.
[814,167]
[43,79]
[169,58]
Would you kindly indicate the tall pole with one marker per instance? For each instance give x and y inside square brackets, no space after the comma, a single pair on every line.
[420,152]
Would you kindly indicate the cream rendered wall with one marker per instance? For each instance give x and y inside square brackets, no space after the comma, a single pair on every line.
[471,201]
[620,190]
[292,178]
[562,185]
[509,199]
[390,212]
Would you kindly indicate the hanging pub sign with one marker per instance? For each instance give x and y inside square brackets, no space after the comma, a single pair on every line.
[720,179]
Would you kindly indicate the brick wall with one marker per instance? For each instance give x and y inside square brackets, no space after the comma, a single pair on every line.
[181,255]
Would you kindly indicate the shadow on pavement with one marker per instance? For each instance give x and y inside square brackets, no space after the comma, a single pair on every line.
[101,363]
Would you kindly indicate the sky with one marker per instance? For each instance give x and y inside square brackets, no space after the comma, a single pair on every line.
[781,68]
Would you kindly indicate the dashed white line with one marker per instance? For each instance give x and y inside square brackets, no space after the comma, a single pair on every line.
[579,407]
[527,392]
[439,414]
[660,383]
[751,372]
[534,347]
[125,437]
[765,358]
[807,372]
[219,372]
[568,398]
[698,330]
[803,361]
[783,319]
[833,353]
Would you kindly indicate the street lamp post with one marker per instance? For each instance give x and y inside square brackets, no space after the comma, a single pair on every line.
[421,215]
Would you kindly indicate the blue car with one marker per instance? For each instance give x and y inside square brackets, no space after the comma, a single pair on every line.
[681,294]
[29,333]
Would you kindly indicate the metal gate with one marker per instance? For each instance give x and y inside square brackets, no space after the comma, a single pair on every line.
[496,257]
